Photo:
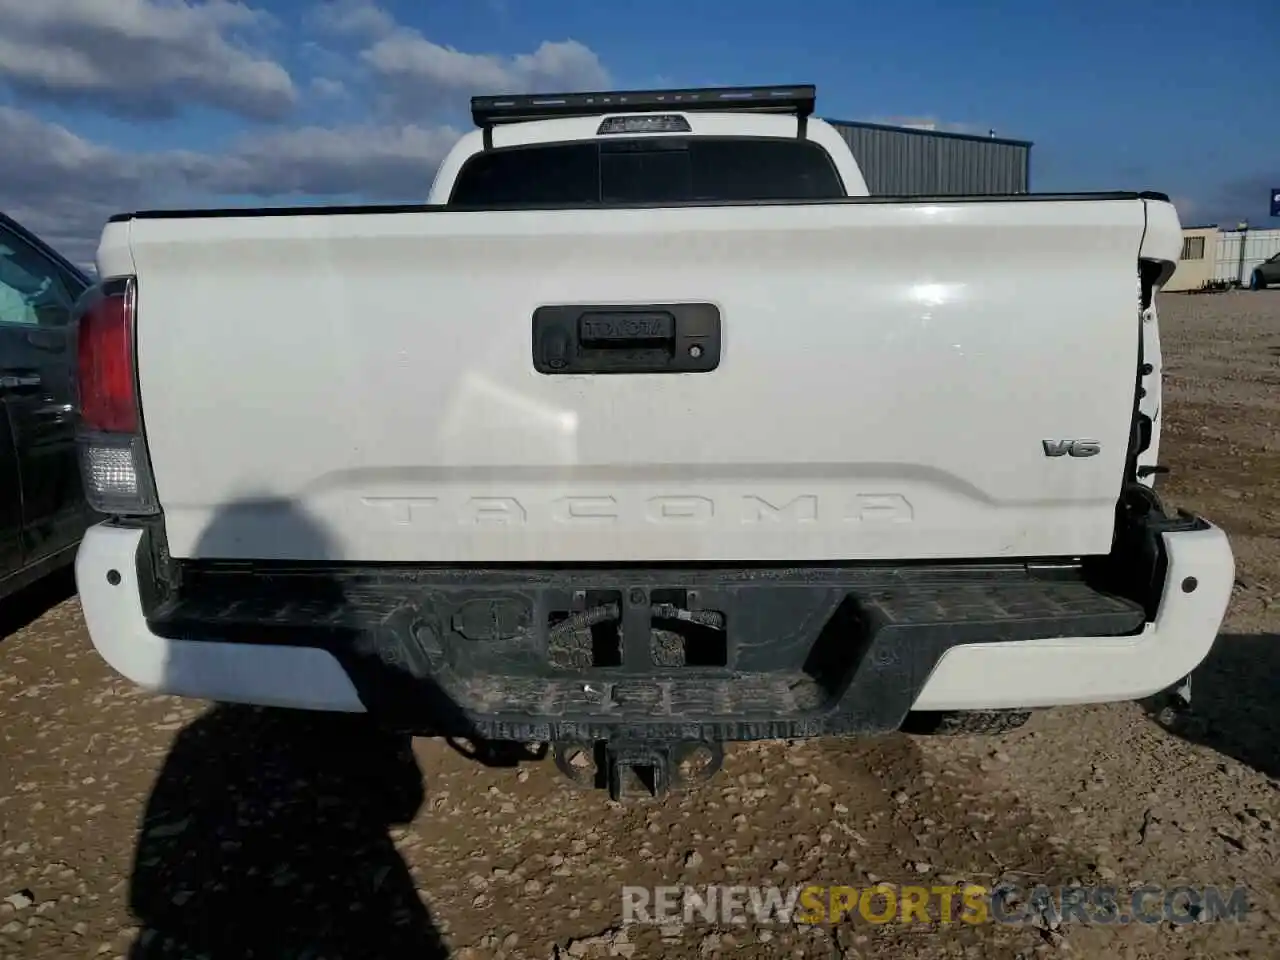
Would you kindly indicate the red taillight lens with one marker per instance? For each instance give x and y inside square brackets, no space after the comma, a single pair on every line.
[108,390]
[114,464]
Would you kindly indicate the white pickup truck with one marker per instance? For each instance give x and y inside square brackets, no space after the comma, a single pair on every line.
[650,430]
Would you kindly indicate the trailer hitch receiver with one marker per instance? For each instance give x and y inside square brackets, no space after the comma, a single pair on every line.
[638,769]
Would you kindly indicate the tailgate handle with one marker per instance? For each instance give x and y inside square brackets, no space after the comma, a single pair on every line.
[650,338]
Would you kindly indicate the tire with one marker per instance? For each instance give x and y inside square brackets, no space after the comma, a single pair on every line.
[1256,282]
[966,723]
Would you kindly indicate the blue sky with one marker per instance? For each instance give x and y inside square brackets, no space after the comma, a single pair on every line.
[106,104]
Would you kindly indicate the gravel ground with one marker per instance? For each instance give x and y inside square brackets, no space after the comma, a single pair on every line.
[134,826]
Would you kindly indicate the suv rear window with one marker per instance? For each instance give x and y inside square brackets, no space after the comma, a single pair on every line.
[648,170]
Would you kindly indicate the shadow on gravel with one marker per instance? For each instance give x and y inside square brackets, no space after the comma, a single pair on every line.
[1235,702]
[267,833]
[32,602]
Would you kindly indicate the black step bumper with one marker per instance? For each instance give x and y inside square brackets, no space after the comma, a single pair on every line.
[640,654]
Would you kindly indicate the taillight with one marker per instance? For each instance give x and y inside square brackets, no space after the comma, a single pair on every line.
[113,454]
[108,391]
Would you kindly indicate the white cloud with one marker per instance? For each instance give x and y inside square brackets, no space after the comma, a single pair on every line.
[356,18]
[327,87]
[376,162]
[415,77]
[60,185]
[142,58]
[64,187]
[147,59]
[410,62]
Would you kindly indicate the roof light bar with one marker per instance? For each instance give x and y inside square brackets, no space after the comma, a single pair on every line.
[797,99]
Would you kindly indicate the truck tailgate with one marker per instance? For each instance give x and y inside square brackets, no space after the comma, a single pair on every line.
[361,386]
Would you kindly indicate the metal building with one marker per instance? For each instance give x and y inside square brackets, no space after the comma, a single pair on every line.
[911,162]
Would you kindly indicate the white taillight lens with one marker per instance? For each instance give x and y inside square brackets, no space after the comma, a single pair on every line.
[117,474]
[110,471]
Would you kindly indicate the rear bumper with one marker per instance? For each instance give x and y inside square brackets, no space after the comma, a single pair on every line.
[1044,673]
[234,673]
[891,678]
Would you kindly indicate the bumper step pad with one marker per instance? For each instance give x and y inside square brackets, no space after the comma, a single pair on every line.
[794,652]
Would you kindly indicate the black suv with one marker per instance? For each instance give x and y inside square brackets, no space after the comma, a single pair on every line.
[43,513]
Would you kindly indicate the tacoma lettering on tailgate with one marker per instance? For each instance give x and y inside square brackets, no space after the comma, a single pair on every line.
[671,510]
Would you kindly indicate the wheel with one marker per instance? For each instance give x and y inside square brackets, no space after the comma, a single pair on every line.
[966,723]
[1256,282]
